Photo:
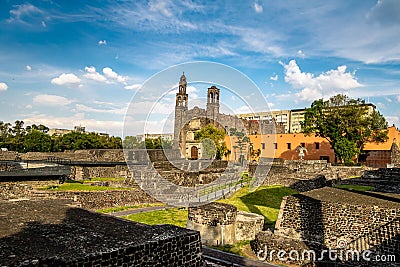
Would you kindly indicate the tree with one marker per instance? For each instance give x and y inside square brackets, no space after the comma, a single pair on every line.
[37,141]
[242,141]
[346,123]
[213,142]
[131,142]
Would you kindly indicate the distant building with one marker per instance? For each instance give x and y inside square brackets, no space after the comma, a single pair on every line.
[166,137]
[291,119]
[79,129]
[58,132]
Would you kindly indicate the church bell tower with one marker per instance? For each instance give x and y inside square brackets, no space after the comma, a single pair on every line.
[213,103]
[181,109]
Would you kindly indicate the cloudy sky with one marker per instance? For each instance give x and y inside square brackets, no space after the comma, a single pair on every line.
[64,64]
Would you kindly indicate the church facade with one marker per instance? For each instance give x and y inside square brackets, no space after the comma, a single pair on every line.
[188,121]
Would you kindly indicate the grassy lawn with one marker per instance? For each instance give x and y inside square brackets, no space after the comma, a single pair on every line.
[174,216]
[80,186]
[355,187]
[266,201]
[238,248]
[104,179]
[122,208]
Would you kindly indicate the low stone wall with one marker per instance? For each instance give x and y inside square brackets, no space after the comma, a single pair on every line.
[247,225]
[221,224]
[100,199]
[119,171]
[292,171]
[311,184]
[9,155]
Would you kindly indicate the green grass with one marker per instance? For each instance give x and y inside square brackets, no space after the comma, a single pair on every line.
[122,208]
[174,216]
[237,248]
[266,201]
[245,178]
[104,179]
[79,186]
[355,187]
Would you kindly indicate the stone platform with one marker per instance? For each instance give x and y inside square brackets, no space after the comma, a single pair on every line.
[52,233]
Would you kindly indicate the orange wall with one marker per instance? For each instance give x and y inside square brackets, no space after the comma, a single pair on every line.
[282,150]
[295,139]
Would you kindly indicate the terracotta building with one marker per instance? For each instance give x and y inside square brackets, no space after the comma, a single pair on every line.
[285,147]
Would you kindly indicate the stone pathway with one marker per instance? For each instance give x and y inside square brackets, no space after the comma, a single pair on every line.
[219,258]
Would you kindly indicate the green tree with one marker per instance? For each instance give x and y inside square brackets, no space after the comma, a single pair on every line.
[346,123]
[241,142]
[156,143]
[5,134]
[37,141]
[131,142]
[213,142]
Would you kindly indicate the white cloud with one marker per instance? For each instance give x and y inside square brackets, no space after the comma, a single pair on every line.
[108,76]
[258,8]
[380,105]
[92,74]
[102,42]
[118,111]
[161,7]
[243,110]
[52,100]
[274,78]
[393,120]
[28,68]
[21,11]
[109,73]
[398,98]
[66,79]
[135,86]
[325,85]
[301,54]
[44,25]
[3,87]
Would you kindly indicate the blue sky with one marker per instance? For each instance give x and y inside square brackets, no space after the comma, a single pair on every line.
[64,64]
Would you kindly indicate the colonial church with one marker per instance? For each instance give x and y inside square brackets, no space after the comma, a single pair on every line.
[187,122]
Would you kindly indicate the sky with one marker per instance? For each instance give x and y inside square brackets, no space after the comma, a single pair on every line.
[92,63]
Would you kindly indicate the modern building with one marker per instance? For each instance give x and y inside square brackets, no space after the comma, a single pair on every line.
[291,119]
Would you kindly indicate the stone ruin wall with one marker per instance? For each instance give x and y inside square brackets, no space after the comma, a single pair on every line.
[62,235]
[290,172]
[87,199]
[307,223]
[395,156]
[221,224]
[305,218]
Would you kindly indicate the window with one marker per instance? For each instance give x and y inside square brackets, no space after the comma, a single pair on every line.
[289,145]
[262,145]
[276,145]
[316,145]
